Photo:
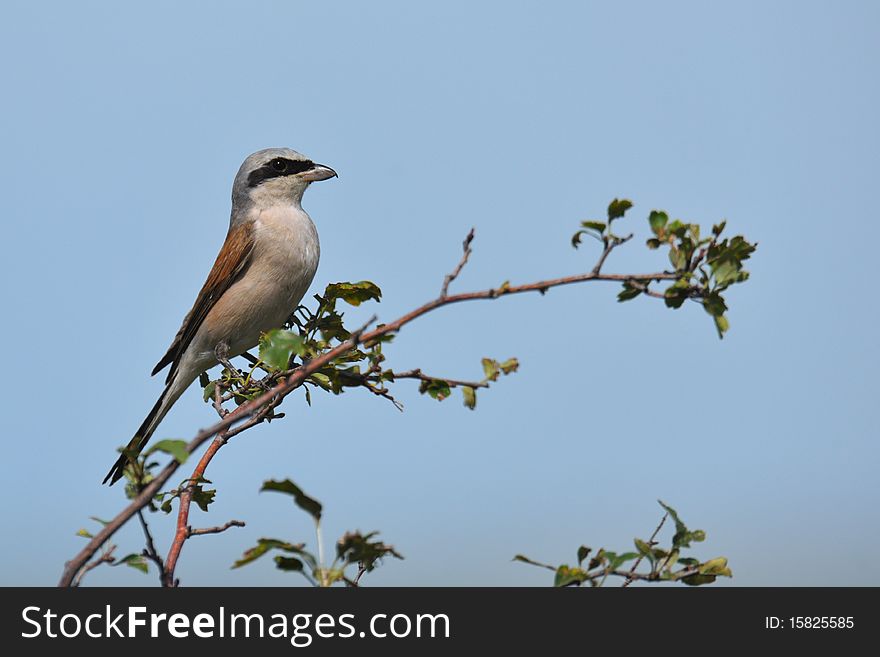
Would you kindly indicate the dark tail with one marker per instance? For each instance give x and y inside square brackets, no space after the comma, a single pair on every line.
[142,435]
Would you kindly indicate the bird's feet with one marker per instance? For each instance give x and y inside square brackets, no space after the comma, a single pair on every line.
[221,352]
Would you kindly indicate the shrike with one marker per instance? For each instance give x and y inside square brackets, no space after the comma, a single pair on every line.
[264,268]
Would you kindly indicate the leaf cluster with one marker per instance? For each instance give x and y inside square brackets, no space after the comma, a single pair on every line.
[354,549]
[663,564]
[702,267]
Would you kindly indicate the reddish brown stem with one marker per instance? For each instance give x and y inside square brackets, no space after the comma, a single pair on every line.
[183,532]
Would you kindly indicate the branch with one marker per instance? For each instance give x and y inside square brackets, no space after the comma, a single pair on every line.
[107,557]
[243,412]
[632,576]
[452,383]
[250,410]
[184,531]
[150,551]
[611,242]
[215,530]
[644,288]
[466,247]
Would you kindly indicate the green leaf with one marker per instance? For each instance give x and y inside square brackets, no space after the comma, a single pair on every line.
[615,561]
[355,547]
[714,304]
[698,580]
[643,548]
[617,208]
[680,527]
[582,553]
[353,294]
[525,559]
[671,560]
[509,366]
[677,228]
[677,293]
[135,561]
[599,558]
[321,379]
[677,258]
[288,563]
[84,533]
[491,369]
[721,325]
[208,392]
[566,575]
[264,545]
[683,536]
[717,228]
[278,345]
[658,221]
[303,501]
[203,497]
[436,388]
[715,567]
[470,397]
[598,226]
[176,448]
[331,326]
[725,271]
[629,292]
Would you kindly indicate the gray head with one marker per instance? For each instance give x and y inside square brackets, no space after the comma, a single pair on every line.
[275,176]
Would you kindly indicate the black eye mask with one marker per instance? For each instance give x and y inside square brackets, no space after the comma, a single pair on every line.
[280,166]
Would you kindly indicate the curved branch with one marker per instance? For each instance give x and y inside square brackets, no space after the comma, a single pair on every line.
[184,531]
[248,411]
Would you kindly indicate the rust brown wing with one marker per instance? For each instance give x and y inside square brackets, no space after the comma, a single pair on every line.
[231,262]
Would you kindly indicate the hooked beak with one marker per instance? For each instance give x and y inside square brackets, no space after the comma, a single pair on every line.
[319,172]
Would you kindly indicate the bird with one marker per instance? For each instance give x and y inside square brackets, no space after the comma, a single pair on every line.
[264,268]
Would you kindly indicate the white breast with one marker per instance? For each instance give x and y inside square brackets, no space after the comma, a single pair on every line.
[285,257]
[281,268]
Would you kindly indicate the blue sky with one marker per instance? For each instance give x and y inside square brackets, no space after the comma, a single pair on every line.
[122,127]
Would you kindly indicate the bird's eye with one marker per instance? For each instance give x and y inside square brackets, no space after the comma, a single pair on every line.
[279,165]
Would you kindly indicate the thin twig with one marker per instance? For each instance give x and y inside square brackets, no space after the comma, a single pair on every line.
[218,400]
[651,543]
[214,530]
[611,242]
[150,551]
[452,383]
[645,290]
[466,247]
[107,557]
